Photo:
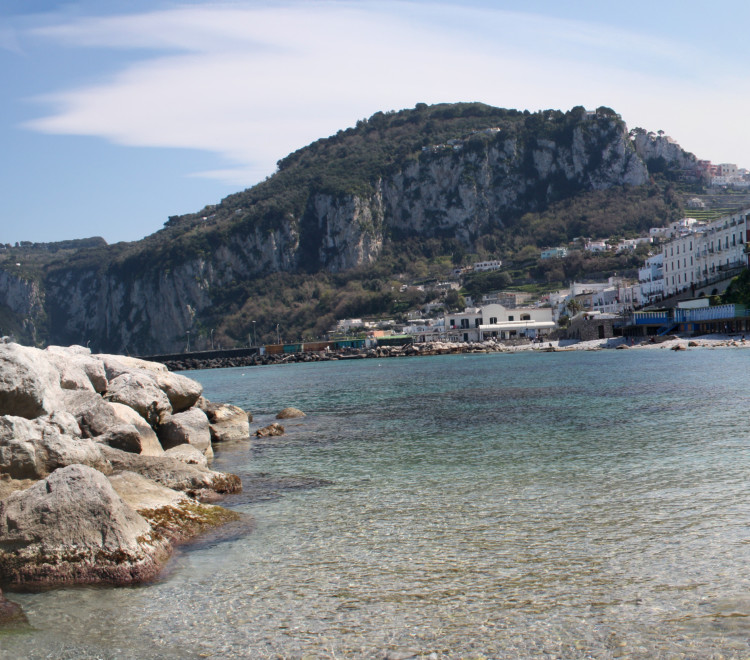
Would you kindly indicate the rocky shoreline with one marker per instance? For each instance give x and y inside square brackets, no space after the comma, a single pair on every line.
[449,348]
[104,467]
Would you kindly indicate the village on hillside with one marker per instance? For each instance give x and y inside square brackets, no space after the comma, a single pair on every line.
[691,263]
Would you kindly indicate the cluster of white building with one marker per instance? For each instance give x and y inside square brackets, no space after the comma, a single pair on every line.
[693,257]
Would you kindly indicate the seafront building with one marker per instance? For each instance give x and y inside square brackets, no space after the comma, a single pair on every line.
[705,254]
[651,280]
[498,322]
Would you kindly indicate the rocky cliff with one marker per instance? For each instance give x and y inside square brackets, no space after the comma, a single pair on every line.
[459,184]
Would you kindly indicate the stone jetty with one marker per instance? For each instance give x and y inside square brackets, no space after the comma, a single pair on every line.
[103,467]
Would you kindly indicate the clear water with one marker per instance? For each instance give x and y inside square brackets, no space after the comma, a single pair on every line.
[572,505]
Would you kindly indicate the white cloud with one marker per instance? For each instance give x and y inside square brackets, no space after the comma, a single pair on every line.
[253,83]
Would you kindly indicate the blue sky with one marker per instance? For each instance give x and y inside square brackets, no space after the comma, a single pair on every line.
[118,114]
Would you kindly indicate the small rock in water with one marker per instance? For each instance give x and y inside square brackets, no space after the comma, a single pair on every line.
[273,429]
[290,413]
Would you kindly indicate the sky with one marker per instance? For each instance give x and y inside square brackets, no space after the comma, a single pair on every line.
[116,115]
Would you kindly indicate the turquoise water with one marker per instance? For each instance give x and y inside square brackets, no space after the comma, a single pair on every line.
[574,505]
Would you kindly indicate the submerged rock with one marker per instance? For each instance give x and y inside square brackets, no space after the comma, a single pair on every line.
[273,429]
[10,613]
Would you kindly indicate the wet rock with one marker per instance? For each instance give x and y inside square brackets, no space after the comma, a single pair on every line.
[227,422]
[196,481]
[290,413]
[73,527]
[272,430]
[169,512]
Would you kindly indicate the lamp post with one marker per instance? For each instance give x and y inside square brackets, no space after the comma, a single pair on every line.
[212,339]
[278,337]
[255,337]
[188,341]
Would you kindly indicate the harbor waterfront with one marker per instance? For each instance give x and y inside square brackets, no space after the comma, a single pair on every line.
[569,504]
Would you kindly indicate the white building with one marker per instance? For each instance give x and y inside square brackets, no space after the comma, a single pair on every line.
[678,228]
[496,321]
[481,266]
[651,279]
[695,259]
[596,246]
[615,296]
[554,253]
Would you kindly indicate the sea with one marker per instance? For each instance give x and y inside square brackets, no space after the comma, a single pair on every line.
[528,505]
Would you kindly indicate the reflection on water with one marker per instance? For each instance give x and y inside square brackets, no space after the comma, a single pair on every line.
[554,505]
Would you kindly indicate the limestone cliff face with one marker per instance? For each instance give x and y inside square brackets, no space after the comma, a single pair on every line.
[24,299]
[651,147]
[488,178]
[22,296]
[482,182]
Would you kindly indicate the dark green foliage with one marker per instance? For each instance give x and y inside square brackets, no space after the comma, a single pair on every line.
[478,283]
[738,292]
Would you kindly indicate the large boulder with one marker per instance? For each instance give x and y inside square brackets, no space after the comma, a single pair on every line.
[147,442]
[78,359]
[29,383]
[181,391]
[72,377]
[116,365]
[185,453]
[189,427]
[73,528]
[227,422]
[198,482]
[94,415]
[112,423]
[141,393]
[32,449]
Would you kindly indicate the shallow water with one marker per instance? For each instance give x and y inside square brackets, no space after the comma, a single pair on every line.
[569,505]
